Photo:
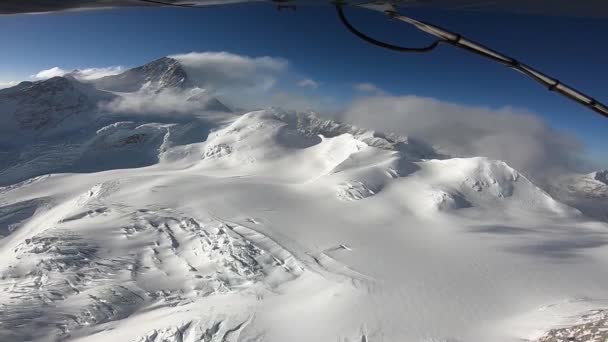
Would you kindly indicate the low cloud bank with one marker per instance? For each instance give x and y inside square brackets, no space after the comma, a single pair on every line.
[168,102]
[520,138]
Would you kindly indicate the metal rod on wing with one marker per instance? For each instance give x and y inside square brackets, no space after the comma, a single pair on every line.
[459,41]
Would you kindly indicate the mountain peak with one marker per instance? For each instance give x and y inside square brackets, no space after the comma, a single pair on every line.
[157,75]
[163,61]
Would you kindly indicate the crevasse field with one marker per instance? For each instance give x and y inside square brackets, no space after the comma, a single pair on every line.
[275,226]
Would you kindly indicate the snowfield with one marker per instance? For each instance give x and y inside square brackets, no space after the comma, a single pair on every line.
[275,226]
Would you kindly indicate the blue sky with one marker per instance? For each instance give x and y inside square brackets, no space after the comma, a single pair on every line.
[319,48]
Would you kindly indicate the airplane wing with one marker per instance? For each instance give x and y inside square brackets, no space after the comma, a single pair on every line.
[586,8]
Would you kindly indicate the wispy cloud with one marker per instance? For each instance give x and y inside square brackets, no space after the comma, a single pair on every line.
[369,88]
[221,71]
[94,73]
[49,73]
[308,83]
[251,82]
[8,84]
[166,102]
[80,74]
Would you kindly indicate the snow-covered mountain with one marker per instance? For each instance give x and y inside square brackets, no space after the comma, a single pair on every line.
[276,226]
[587,192]
[160,74]
[593,185]
[44,105]
[66,125]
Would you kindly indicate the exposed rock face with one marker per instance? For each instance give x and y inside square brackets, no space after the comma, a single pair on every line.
[160,74]
[601,176]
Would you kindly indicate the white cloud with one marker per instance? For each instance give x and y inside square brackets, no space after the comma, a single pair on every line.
[518,137]
[49,73]
[94,73]
[221,71]
[308,83]
[80,74]
[300,102]
[167,102]
[369,88]
[8,84]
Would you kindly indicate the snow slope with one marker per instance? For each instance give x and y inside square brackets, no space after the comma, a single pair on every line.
[274,226]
